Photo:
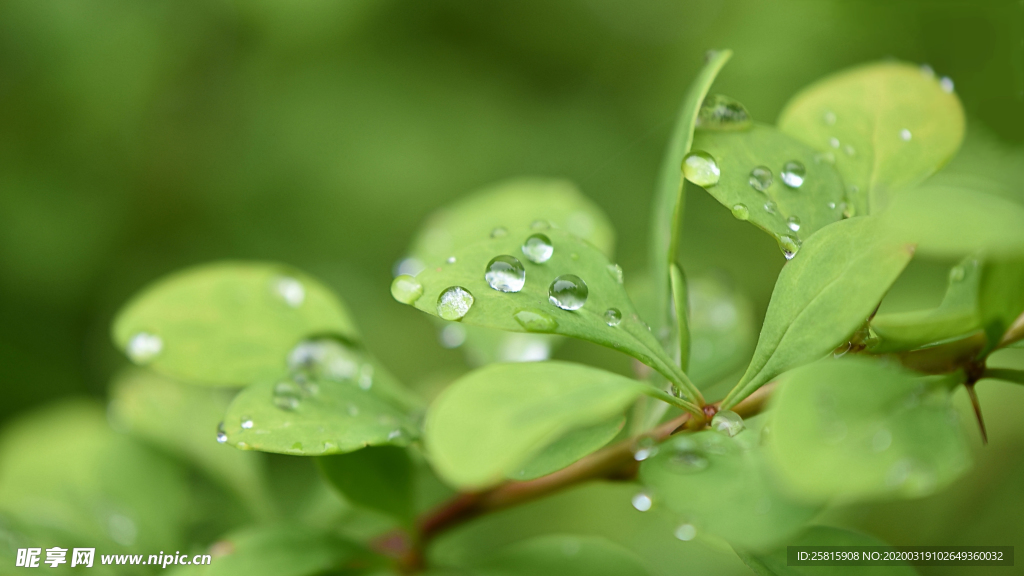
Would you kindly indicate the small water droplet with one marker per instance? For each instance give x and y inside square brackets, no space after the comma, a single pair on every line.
[408,267]
[538,248]
[644,448]
[770,207]
[454,303]
[686,532]
[287,395]
[831,205]
[290,290]
[505,274]
[452,336]
[642,502]
[849,210]
[568,292]
[540,225]
[947,84]
[451,260]
[790,246]
[616,272]
[328,446]
[143,347]
[728,422]
[222,436]
[612,317]
[366,376]
[406,289]
[849,150]
[535,321]
[842,349]
[825,157]
[793,173]
[761,178]
[957,273]
[499,232]
[881,441]
[793,223]
[905,135]
[719,112]
[829,117]
[834,142]
[927,71]
[246,422]
[740,212]
[701,168]
[854,189]
[394,434]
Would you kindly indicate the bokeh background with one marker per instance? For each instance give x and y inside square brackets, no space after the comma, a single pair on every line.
[137,138]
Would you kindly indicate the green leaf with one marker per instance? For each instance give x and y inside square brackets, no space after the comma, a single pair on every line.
[776,563]
[853,429]
[277,550]
[569,448]
[227,323]
[182,419]
[377,477]
[531,310]
[563,555]
[669,199]
[821,297]
[721,486]
[490,422]
[681,307]
[955,316]
[946,221]
[722,329]
[859,116]
[782,211]
[1001,298]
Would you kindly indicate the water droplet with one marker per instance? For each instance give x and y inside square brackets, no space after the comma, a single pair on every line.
[366,376]
[222,436]
[701,169]
[642,502]
[849,210]
[834,142]
[790,246]
[454,303]
[408,267]
[540,225]
[842,349]
[287,395]
[947,84]
[246,422]
[451,260]
[728,422]
[144,347]
[881,441]
[740,212]
[568,292]
[826,157]
[687,459]
[957,273]
[761,178]
[927,71]
[612,317]
[328,445]
[290,290]
[122,529]
[905,135]
[719,112]
[831,205]
[854,189]
[499,232]
[849,150]
[793,173]
[616,272]
[686,532]
[535,321]
[394,434]
[830,118]
[452,336]
[324,358]
[793,223]
[770,207]
[505,274]
[538,248]
[406,289]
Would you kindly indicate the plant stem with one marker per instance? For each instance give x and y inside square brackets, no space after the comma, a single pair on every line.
[677,402]
[1015,376]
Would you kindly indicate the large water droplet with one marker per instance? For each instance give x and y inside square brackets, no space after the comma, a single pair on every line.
[644,448]
[770,207]
[687,459]
[290,290]
[740,212]
[616,272]
[222,436]
[686,532]
[793,173]
[452,336]
[568,292]
[325,358]
[793,223]
[499,232]
[947,84]
[505,274]
[905,135]
[538,248]
[728,422]
[642,502]
[454,303]
[612,317]
[143,347]
[761,178]
[287,395]
[535,321]
[719,112]
[406,289]
[790,246]
[701,169]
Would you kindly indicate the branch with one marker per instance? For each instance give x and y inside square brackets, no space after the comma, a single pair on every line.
[1006,374]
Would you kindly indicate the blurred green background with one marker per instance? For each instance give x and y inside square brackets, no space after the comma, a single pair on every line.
[137,138]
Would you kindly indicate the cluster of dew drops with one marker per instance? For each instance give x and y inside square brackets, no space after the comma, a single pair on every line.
[506,273]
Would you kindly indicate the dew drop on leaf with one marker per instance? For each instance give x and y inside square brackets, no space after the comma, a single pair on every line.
[686,458]
[905,135]
[612,317]
[452,336]
[538,248]
[540,225]
[793,173]
[728,422]
[505,274]
[568,292]
[834,142]
[761,178]
[616,272]
[143,347]
[701,168]
[535,321]
[957,273]
[770,207]
[499,232]
[644,448]
[409,267]
[849,150]
[826,157]
[790,246]
[686,532]
[829,117]
[222,436]
[290,290]
[946,83]
[325,358]
[642,502]
[740,212]
[246,422]
[454,303]
[719,112]
[793,223]
[287,395]
[927,71]
[406,289]
[451,260]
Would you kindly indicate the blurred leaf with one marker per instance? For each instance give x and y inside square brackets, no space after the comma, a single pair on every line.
[776,563]
[563,555]
[681,306]
[889,126]
[182,419]
[64,469]
[956,315]
[955,222]
[276,550]
[855,429]
[722,329]
[227,323]
[569,448]
[821,297]
[531,310]
[779,209]
[720,485]
[376,477]
[313,418]
[1001,298]
[667,212]
[487,424]
[487,345]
